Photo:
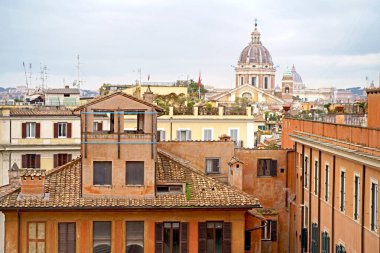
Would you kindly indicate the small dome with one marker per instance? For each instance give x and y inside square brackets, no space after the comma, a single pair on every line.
[255,52]
[288,73]
[297,80]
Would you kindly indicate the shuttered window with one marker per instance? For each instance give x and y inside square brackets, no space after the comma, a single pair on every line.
[98,126]
[234,134]
[102,237]
[135,237]
[314,238]
[214,237]
[62,130]
[325,242]
[36,237]
[102,173]
[306,172]
[134,173]
[184,135]
[356,197]
[171,237]
[207,134]
[327,182]
[316,177]
[61,159]
[266,167]
[342,205]
[212,165]
[161,135]
[340,248]
[31,161]
[269,230]
[374,205]
[66,237]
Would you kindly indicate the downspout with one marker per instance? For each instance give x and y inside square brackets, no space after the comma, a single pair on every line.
[362,211]
[302,191]
[319,197]
[19,231]
[310,190]
[333,206]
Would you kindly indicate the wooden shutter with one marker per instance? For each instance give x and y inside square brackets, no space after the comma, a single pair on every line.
[184,237]
[66,238]
[202,233]
[304,238]
[23,130]
[273,168]
[38,161]
[260,171]
[69,130]
[178,135]
[273,232]
[24,161]
[38,130]
[69,157]
[163,137]
[55,160]
[100,126]
[158,235]
[227,226]
[188,135]
[55,130]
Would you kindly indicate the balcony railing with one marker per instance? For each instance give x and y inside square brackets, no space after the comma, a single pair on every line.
[208,110]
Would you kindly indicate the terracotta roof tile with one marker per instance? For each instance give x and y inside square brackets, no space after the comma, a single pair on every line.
[41,112]
[63,190]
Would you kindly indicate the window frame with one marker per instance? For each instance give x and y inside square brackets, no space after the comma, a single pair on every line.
[266,230]
[75,234]
[214,233]
[342,193]
[171,235]
[28,126]
[356,197]
[93,173]
[327,182]
[133,240]
[93,233]
[316,177]
[237,135]
[59,126]
[219,165]
[374,222]
[306,172]
[36,240]
[204,136]
[143,173]
[187,133]
[161,133]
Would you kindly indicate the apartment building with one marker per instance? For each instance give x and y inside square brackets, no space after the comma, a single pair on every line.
[336,183]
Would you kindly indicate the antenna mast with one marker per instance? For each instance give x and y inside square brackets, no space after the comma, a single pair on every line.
[26,77]
[78,67]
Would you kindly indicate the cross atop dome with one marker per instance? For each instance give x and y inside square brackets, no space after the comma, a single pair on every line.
[255,35]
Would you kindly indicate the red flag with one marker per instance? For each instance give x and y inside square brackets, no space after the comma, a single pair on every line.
[199,80]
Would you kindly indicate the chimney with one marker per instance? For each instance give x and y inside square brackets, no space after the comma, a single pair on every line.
[224,138]
[373,107]
[32,182]
[67,87]
[14,175]
[235,173]
[148,95]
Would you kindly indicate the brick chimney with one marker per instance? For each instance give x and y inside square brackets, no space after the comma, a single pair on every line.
[224,138]
[148,95]
[14,176]
[235,173]
[32,182]
[373,107]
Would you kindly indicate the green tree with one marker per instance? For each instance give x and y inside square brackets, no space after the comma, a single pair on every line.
[192,88]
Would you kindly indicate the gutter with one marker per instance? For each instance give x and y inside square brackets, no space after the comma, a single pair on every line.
[19,231]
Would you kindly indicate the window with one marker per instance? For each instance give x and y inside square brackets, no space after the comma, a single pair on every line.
[184,135]
[31,161]
[266,167]
[161,135]
[61,159]
[62,130]
[356,197]
[340,249]
[30,130]
[234,134]
[101,237]
[212,165]
[342,205]
[171,237]
[374,205]
[207,134]
[325,242]
[36,237]
[253,81]
[314,238]
[316,177]
[98,126]
[134,173]
[66,237]
[241,81]
[214,237]
[261,127]
[306,217]
[102,173]
[135,237]
[327,182]
[269,230]
[169,189]
[306,173]
[286,89]
[266,81]
[247,240]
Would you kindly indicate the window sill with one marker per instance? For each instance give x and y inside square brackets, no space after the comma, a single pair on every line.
[212,173]
[30,138]
[267,239]
[62,137]
[134,185]
[266,176]
[103,185]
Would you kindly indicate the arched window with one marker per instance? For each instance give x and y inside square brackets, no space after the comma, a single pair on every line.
[266,82]
[286,89]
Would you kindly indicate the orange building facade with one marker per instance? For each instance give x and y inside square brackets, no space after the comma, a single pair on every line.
[336,183]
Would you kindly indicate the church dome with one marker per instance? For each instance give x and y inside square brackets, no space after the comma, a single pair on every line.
[255,53]
[297,80]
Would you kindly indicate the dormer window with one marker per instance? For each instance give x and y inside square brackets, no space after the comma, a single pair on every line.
[169,189]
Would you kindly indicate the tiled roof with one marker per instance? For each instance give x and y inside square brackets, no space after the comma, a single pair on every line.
[63,91]
[63,188]
[41,112]
[105,97]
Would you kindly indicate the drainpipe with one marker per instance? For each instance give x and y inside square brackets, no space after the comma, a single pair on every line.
[362,211]
[19,231]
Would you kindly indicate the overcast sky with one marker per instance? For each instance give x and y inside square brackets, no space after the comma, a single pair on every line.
[332,43]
